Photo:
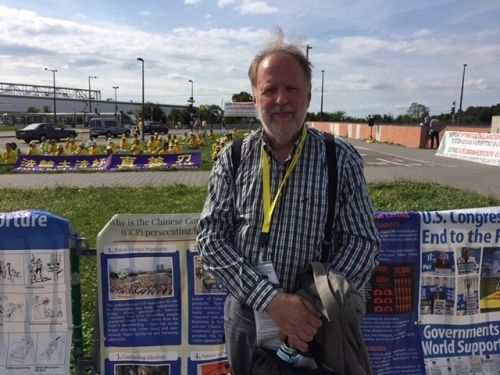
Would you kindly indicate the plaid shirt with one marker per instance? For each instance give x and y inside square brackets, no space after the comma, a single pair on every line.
[231,221]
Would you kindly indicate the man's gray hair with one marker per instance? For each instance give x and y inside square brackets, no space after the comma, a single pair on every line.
[277,44]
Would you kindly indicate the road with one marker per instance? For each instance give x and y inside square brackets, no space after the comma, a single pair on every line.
[383,162]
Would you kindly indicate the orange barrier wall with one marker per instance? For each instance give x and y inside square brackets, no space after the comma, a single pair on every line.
[412,136]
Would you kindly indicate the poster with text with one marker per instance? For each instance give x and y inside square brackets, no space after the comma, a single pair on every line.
[160,312]
[35,294]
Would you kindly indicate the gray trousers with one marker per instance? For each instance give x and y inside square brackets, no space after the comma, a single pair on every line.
[239,329]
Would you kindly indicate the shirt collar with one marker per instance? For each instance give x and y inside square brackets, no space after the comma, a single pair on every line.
[268,149]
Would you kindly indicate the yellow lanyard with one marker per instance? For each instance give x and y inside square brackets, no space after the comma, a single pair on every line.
[266,183]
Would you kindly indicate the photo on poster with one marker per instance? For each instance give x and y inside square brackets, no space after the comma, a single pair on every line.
[214,368]
[437,295]
[12,307]
[468,295]
[47,307]
[490,280]
[134,369]
[11,269]
[468,260]
[438,262]
[136,278]
[45,268]
[205,282]
[51,349]
[21,349]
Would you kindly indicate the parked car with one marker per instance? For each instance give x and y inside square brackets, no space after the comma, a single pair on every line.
[151,127]
[43,131]
[108,127]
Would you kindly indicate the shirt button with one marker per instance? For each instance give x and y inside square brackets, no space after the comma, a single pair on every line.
[275,221]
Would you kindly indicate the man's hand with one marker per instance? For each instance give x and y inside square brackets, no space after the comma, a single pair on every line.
[296,317]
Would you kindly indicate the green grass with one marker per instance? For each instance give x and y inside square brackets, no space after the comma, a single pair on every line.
[89,210]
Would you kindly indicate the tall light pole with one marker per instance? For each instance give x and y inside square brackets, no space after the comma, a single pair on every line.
[143,115]
[322,84]
[308,47]
[461,96]
[116,105]
[191,98]
[54,84]
[90,99]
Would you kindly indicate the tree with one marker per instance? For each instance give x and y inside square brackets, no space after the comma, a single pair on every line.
[33,109]
[153,112]
[175,115]
[46,109]
[417,110]
[242,97]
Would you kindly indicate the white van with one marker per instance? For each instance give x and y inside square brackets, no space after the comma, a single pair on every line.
[108,127]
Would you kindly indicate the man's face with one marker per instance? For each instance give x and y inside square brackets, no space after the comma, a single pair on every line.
[282,94]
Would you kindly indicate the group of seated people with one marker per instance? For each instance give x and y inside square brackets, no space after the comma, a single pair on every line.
[156,145]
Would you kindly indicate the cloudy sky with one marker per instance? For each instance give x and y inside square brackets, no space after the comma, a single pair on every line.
[377,56]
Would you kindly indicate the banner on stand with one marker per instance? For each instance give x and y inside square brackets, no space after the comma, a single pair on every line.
[35,294]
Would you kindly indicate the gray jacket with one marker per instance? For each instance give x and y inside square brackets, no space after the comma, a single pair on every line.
[342,307]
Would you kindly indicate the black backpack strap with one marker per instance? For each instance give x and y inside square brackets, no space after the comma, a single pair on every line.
[236,154]
[331,160]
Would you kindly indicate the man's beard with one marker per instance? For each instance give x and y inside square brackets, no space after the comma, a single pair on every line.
[281,134]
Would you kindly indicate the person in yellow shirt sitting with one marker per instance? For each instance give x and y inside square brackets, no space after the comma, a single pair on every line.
[94,149]
[163,149]
[110,145]
[81,150]
[199,140]
[9,156]
[136,147]
[151,145]
[192,142]
[158,141]
[185,138]
[52,149]
[124,145]
[60,150]
[70,146]
[32,149]
[177,147]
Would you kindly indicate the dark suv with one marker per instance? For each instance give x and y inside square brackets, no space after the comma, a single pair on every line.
[151,127]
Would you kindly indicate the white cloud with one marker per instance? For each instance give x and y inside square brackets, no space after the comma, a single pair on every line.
[192,2]
[421,33]
[224,3]
[250,7]
[144,13]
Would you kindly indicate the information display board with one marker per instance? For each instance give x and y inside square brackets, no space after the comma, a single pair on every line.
[159,310]
[35,294]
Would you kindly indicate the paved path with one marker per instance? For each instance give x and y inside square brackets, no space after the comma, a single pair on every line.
[383,162]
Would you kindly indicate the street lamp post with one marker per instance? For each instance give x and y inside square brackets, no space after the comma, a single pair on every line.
[90,98]
[308,47]
[116,104]
[322,85]
[461,96]
[54,85]
[143,115]
[191,98]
